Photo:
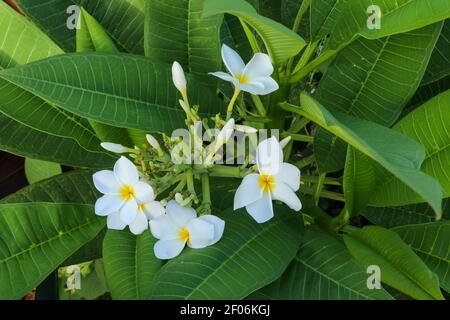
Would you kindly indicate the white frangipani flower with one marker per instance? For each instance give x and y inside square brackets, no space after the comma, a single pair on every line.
[123,191]
[253,77]
[114,147]
[180,226]
[276,180]
[178,77]
[245,129]
[146,212]
[225,134]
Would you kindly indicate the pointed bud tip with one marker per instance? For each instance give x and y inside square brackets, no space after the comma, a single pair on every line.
[178,77]
[113,147]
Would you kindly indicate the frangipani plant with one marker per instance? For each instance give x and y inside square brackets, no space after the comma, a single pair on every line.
[284,153]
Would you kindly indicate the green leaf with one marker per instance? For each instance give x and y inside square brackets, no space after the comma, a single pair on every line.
[24,43]
[400,267]
[430,126]
[130,264]
[176,31]
[18,139]
[425,93]
[36,238]
[74,187]
[37,170]
[248,257]
[324,16]
[117,89]
[431,242]
[398,216]
[398,154]
[92,37]
[396,17]
[21,40]
[322,270]
[377,87]
[281,42]
[439,65]
[124,20]
[359,181]
[329,151]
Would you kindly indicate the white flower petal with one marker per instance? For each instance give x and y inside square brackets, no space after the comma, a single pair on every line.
[107,205]
[259,66]
[201,233]
[154,209]
[129,211]
[114,223]
[105,181]
[262,209]
[232,60]
[140,224]
[143,192]
[126,171]
[222,75]
[180,215]
[226,132]
[290,175]
[268,83]
[168,249]
[219,226]
[248,191]
[285,194]
[164,228]
[251,87]
[269,156]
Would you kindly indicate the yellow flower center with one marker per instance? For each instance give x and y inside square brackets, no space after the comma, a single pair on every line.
[242,78]
[141,207]
[127,192]
[267,183]
[184,234]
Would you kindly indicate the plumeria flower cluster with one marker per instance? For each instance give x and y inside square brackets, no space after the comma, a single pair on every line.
[130,189]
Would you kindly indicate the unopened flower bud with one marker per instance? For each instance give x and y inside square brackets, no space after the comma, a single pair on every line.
[152,141]
[114,147]
[285,141]
[178,198]
[245,129]
[179,80]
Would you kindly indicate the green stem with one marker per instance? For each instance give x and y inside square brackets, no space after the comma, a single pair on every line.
[323,194]
[205,190]
[251,38]
[300,74]
[227,171]
[319,188]
[298,137]
[190,181]
[327,181]
[299,124]
[305,161]
[231,104]
[309,51]
[259,105]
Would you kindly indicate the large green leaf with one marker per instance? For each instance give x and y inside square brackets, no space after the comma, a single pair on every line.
[324,16]
[281,42]
[431,242]
[23,141]
[130,264]
[36,238]
[396,17]
[124,20]
[430,126]
[439,65]
[322,270]
[92,37]
[426,92]
[400,267]
[248,257]
[398,216]
[329,151]
[74,187]
[377,87]
[176,31]
[37,170]
[24,43]
[117,89]
[398,154]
